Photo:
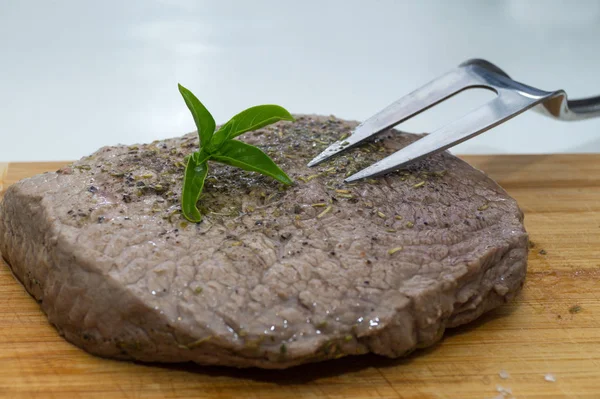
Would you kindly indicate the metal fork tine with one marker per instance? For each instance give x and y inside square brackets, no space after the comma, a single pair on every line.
[513,99]
[412,104]
[505,106]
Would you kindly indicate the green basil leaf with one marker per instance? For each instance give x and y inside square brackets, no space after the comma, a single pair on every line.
[203,119]
[260,116]
[220,137]
[248,157]
[193,182]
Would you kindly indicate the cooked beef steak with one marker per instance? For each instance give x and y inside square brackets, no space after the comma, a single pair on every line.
[273,276]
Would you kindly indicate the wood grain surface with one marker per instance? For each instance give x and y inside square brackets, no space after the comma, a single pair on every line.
[552,328]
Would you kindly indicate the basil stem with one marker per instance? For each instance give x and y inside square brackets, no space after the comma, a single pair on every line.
[193,183]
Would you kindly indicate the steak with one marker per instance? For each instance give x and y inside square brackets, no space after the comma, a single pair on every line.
[273,276]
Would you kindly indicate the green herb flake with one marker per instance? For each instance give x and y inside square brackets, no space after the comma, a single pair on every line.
[199,342]
[410,225]
[381,214]
[575,309]
[394,250]
[283,349]
[419,184]
[483,207]
[309,178]
[325,212]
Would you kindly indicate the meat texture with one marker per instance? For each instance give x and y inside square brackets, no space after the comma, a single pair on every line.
[273,276]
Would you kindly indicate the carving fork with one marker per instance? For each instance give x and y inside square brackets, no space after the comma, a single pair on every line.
[512,99]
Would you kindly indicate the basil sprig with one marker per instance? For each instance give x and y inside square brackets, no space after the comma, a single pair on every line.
[219,146]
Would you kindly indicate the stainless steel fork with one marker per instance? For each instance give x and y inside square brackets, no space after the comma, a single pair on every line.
[512,99]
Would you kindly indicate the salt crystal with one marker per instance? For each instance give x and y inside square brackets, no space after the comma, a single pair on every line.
[550,378]
[503,374]
[504,391]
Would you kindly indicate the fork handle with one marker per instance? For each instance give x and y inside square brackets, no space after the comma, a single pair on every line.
[556,105]
[588,106]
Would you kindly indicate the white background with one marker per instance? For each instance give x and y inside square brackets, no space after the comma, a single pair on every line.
[76,75]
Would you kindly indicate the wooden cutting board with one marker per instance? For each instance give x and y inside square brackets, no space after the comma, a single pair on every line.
[552,329]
